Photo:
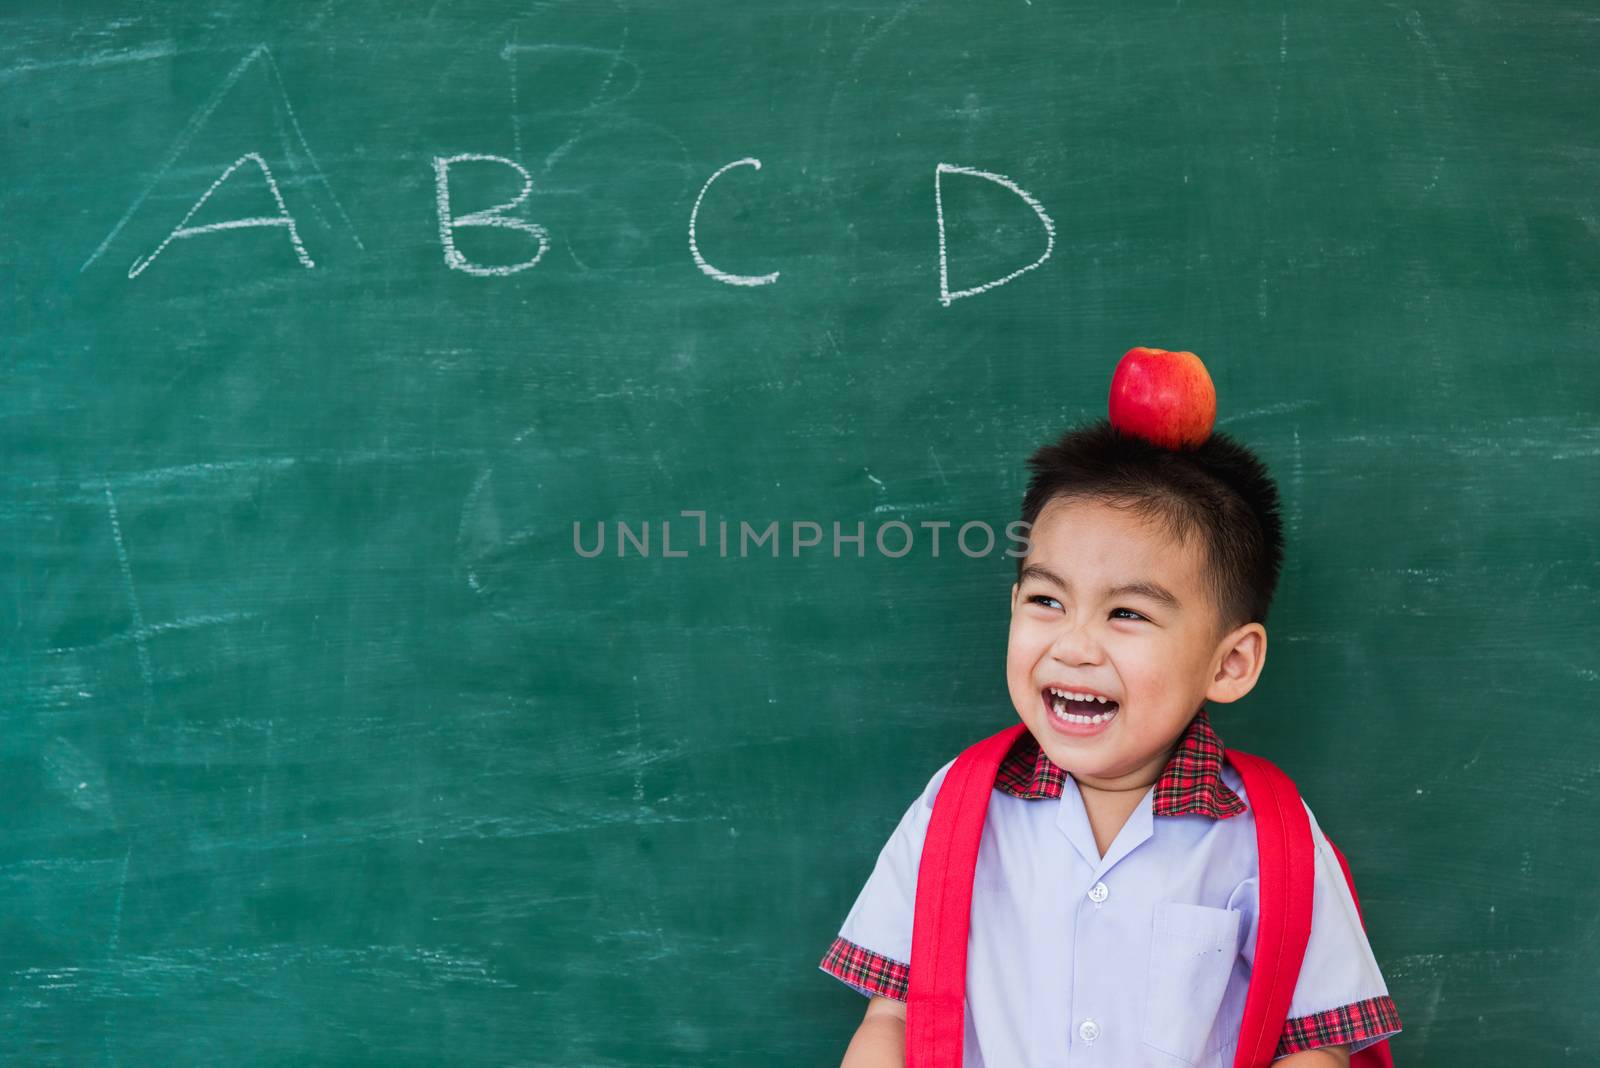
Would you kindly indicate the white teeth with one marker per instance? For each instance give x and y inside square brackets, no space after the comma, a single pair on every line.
[1077,696]
[1073,717]
[1058,707]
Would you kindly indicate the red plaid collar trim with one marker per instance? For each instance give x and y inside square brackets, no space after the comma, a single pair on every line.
[1190,783]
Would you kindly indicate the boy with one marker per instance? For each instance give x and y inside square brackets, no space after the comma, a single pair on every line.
[1114,902]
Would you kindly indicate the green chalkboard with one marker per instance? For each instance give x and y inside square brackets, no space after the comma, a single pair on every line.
[325,740]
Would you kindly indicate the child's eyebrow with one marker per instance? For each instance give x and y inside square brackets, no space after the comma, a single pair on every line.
[1144,588]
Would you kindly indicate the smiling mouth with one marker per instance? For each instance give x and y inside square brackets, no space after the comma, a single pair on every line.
[1069,709]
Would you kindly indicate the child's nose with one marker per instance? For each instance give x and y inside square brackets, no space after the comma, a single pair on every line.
[1075,643]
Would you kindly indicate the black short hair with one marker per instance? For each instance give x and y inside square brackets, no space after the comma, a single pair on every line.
[1218,489]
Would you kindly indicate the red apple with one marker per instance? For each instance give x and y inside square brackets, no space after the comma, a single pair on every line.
[1164,397]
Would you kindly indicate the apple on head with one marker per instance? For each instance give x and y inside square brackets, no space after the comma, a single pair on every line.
[1164,397]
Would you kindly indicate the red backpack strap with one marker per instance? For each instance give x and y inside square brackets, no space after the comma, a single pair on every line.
[1287,871]
[937,990]
[1283,926]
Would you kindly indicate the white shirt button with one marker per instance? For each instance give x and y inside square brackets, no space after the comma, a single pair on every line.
[1088,1030]
[1099,892]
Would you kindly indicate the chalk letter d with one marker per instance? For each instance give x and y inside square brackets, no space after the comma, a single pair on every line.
[945,296]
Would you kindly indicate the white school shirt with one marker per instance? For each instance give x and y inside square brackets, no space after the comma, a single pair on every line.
[1140,957]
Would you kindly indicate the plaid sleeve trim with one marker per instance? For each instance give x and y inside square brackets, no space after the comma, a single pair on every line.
[870,973]
[1358,1024]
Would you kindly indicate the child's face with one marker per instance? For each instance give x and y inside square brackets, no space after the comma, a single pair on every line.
[1156,660]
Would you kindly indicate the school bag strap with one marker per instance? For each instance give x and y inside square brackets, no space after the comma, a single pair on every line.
[937,989]
[1287,884]
[1283,918]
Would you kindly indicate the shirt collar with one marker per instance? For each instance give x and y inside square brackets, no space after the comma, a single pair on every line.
[1190,783]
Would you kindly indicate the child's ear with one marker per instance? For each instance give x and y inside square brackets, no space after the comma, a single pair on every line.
[1245,654]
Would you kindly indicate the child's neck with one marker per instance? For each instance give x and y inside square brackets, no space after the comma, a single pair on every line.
[1108,810]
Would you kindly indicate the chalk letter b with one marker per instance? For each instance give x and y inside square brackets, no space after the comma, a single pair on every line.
[495,216]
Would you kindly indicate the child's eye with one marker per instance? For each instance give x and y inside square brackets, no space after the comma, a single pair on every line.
[1051,602]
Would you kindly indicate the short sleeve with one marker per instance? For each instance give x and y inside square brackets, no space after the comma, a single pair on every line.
[1340,996]
[872,951]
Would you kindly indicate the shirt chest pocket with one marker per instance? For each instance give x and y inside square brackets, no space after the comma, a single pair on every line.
[1192,953]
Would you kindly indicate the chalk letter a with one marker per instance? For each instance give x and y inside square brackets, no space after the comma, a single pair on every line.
[183,229]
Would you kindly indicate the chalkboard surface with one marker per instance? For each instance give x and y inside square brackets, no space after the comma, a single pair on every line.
[326,741]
